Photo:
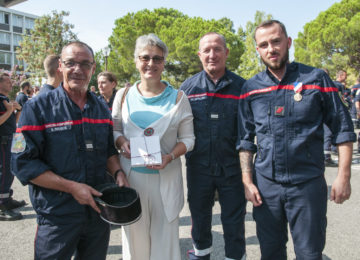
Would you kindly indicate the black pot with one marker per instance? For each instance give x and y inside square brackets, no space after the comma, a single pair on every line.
[118,205]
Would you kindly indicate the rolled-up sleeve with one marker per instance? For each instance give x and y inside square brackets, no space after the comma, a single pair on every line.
[186,126]
[246,125]
[337,116]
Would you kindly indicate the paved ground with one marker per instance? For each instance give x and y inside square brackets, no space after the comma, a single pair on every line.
[343,230]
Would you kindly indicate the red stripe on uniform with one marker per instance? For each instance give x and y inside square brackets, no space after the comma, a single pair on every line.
[213,95]
[287,87]
[70,122]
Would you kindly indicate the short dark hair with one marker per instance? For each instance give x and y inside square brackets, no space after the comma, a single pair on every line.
[51,64]
[3,75]
[340,72]
[268,23]
[25,84]
[108,75]
[79,44]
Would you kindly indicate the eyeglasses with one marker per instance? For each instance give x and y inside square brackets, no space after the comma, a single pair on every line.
[156,59]
[85,65]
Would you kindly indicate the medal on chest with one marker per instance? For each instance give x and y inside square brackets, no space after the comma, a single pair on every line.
[297,90]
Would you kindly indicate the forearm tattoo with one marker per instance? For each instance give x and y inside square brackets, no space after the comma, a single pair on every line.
[246,161]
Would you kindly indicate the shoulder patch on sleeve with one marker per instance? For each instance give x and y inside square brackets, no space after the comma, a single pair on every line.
[18,143]
[342,99]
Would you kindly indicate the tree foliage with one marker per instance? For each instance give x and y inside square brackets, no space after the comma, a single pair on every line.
[49,35]
[332,40]
[180,33]
[250,62]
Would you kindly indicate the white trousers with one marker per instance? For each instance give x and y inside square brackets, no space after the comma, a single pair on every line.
[152,237]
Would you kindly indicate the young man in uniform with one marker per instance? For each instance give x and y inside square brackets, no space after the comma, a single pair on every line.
[23,96]
[53,73]
[8,120]
[285,108]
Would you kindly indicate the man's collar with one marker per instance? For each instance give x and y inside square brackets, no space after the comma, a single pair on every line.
[219,79]
[289,67]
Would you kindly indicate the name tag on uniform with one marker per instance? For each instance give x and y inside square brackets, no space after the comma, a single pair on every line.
[58,128]
[214,116]
[279,111]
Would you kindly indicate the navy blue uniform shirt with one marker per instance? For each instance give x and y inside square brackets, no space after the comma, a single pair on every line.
[9,126]
[46,88]
[111,101]
[214,107]
[21,98]
[72,143]
[290,133]
[354,89]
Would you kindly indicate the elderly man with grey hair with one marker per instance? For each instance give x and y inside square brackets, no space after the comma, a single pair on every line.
[214,164]
[63,147]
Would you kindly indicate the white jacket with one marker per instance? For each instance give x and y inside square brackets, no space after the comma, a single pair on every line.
[175,126]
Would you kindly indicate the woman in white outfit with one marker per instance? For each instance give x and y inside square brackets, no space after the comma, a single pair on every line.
[153,107]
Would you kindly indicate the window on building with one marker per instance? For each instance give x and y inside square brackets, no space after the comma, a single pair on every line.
[17,39]
[29,23]
[17,20]
[4,17]
[20,63]
[5,58]
[4,38]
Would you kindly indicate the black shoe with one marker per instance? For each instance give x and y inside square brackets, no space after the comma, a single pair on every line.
[330,163]
[12,204]
[9,215]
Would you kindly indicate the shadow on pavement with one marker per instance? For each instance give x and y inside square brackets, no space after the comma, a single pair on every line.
[29,216]
[253,240]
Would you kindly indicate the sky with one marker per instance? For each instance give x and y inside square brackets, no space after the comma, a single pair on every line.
[94,20]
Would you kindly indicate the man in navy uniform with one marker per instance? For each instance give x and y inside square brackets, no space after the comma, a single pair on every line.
[53,73]
[285,108]
[23,95]
[62,151]
[7,129]
[214,165]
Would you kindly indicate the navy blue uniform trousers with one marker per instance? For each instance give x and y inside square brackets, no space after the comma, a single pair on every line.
[87,238]
[303,206]
[201,192]
[6,177]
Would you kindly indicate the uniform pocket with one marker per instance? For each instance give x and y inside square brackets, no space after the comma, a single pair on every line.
[62,151]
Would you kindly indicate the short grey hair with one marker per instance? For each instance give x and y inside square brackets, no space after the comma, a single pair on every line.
[222,38]
[149,40]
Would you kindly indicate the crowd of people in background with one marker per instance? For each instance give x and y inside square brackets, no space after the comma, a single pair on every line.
[67,137]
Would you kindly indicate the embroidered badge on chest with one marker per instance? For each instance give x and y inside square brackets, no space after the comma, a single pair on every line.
[279,111]
[149,131]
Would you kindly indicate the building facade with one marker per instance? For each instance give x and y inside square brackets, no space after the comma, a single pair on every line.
[13,25]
